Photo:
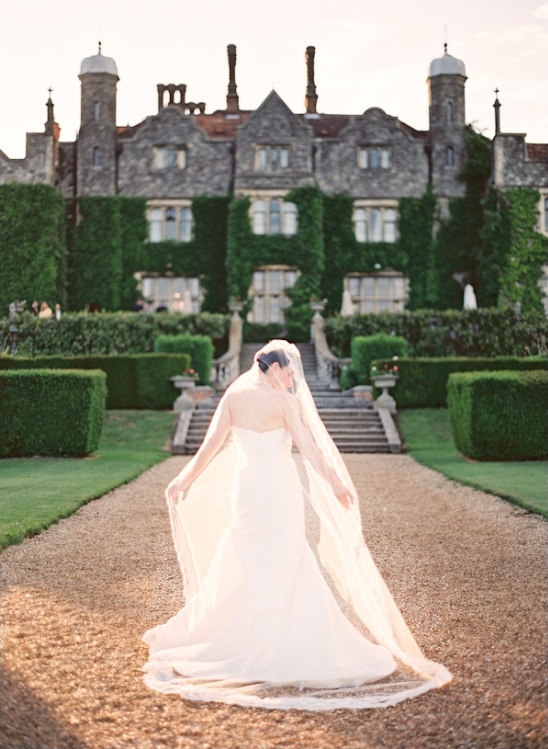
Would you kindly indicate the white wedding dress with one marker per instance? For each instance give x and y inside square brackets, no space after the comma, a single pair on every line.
[268,621]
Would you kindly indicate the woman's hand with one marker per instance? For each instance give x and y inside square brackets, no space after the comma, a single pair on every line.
[342,493]
[175,489]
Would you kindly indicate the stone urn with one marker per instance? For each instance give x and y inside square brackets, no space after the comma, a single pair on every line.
[385,381]
[184,383]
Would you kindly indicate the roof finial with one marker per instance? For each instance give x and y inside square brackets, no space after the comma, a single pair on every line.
[99,49]
[497,106]
[445,40]
[50,91]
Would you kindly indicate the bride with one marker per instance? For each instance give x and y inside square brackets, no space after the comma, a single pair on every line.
[284,606]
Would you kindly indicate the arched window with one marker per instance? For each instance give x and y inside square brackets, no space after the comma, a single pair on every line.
[97,111]
[449,111]
[96,156]
[450,156]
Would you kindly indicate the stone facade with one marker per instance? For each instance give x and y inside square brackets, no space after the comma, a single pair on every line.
[220,150]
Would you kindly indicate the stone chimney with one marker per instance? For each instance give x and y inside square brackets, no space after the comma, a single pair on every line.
[232,99]
[311,98]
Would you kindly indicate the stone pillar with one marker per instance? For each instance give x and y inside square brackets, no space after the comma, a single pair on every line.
[232,99]
[311,98]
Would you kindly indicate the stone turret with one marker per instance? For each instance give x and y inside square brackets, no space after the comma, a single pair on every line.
[96,171]
[446,82]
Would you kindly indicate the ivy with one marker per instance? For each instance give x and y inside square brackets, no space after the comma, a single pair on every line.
[416,243]
[33,251]
[526,249]
[304,250]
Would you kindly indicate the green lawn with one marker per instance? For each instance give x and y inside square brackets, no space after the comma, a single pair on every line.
[36,492]
[426,433]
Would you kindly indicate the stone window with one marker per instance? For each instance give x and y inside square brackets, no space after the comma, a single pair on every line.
[449,111]
[375,223]
[169,157]
[173,223]
[450,156]
[96,156]
[97,111]
[385,291]
[274,216]
[173,293]
[267,291]
[374,157]
[272,158]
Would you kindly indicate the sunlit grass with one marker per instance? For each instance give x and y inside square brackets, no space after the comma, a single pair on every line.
[36,492]
[426,433]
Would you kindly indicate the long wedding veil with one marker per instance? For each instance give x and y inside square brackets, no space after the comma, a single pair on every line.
[336,537]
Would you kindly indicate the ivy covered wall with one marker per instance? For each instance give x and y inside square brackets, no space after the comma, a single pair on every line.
[33,251]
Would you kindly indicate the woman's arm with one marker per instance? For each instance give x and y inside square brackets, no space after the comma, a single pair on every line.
[213,441]
[308,449]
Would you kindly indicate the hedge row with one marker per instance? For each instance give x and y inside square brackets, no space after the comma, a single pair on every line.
[48,412]
[82,333]
[198,347]
[500,415]
[422,382]
[367,349]
[133,382]
[480,332]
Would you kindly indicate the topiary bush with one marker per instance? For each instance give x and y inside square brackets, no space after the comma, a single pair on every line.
[499,415]
[422,382]
[133,381]
[367,349]
[199,347]
[48,412]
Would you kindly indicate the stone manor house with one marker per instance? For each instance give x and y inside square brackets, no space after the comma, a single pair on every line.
[182,152]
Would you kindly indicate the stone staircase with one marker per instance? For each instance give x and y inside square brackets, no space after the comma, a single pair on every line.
[355,426]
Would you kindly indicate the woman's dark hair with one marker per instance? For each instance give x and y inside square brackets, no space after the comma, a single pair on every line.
[266,360]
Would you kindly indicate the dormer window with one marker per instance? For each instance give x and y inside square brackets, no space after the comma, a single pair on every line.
[374,157]
[169,157]
[272,158]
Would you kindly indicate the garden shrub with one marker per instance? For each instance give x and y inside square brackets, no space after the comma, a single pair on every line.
[366,349]
[422,382]
[500,415]
[257,333]
[48,412]
[479,332]
[83,333]
[133,381]
[199,347]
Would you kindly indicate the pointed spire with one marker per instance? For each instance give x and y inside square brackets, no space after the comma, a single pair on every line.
[497,105]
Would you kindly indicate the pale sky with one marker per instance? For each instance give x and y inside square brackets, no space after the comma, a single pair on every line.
[368,54]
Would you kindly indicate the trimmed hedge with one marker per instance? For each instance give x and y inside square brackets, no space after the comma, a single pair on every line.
[367,349]
[84,333]
[499,415]
[478,332]
[199,347]
[49,412]
[422,382]
[133,381]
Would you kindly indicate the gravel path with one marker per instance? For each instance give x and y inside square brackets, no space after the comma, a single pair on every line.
[467,570]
